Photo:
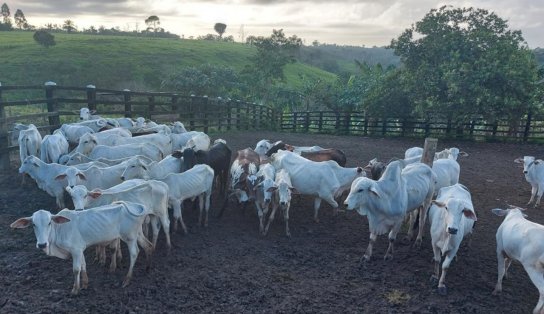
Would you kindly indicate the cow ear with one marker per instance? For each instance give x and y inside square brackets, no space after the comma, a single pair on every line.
[293,190]
[257,186]
[60,177]
[536,162]
[59,219]
[438,203]
[272,189]
[95,193]
[374,191]
[21,223]
[81,176]
[470,214]
[499,212]
[92,112]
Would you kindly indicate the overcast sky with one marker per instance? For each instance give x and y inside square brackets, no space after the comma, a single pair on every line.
[344,22]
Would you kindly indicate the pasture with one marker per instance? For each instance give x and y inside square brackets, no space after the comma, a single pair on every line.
[229,267]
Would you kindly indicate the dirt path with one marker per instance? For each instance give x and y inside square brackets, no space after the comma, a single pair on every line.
[230,268]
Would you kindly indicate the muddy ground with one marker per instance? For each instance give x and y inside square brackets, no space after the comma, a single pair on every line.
[230,268]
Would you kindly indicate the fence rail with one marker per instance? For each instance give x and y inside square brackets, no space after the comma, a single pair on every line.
[527,129]
[49,106]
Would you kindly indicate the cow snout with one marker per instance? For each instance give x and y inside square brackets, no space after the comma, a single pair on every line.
[283,204]
[80,118]
[452,231]
[267,201]
[42,246]
[525,171]
[123,178]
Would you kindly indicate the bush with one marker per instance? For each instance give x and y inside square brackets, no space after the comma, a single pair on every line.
[44,38]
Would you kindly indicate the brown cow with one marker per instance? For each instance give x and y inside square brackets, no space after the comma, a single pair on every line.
[243,176]
[321,155]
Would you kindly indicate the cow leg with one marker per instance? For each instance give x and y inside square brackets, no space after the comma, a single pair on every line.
[261,218]
[436,259]
[508,262]
[207,207]
[155,227]
[84,278]
[178,216]
[333,203]
[392,237]
[286,218]
[501,270]
[200,208]
[539,194]
[148,249]
[534,189]
[442,289]
[165,222]
[537,278]
[271,218]
[422,219]
[317,203]
[76,269]
[412,216]
[368,254]
[133,250]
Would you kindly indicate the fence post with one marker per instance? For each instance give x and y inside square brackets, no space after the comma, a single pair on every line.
[238,115]
[151,107]
[205,113]
[248,108]
[527,126]
[428,151]
[307,122]
[295,121]
[128,106]
[51,104]
[229,114]
[4,152]
[365,124]
[448,128]
[427,127]
[174,102]
[192,112]
[384,126]
[347,122]
[91,97]
[320,123]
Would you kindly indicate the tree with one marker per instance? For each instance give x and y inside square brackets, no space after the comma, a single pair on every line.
[6,16]
[220,28]
[69,26]
[20,19]
[462,62]
[152,23]
[44,38]
[273,54]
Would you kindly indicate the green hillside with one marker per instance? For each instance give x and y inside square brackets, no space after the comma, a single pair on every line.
[120,62]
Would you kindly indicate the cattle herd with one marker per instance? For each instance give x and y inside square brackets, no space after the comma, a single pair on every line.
[123,175]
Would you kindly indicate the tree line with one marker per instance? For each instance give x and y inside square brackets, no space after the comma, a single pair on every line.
[455,63]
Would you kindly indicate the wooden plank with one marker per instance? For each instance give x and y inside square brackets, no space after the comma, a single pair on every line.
[428,151]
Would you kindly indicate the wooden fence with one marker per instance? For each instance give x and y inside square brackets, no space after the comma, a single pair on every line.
[527,129]
[48,106]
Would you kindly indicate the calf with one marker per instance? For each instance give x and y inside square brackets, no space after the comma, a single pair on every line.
[53,147]
[262,147]
[521,240]
[264,192]
[57,237]
[282,198]
[30,141]
[153,194]
[243,175]
[452,217]
[533,169]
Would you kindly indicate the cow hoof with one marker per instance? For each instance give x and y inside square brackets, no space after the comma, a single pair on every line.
[496,292]
[388,257]
[433,280]
[442,290]
[417,244]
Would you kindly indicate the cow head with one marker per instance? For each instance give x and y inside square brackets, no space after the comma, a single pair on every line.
[135,169]
[81,196]
[86,144]
[456,209]
[42,221]
[363,190]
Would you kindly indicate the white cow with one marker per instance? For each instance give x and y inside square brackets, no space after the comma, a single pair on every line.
[262,147]
[387,201]
[29,141]
[521,240]
[200,141]
[153,169]
[194,182]
[324,180]
[46,176]
[164,142]
[73,132]
[180,140]
[447,153]
[96,124]
[56,236]
[53,147]
[86,114]
[77,158]
[116,152]
[152,194]
[14,133]
[263,196]
[178,128]
[533,169]
[452,217]
[282,198]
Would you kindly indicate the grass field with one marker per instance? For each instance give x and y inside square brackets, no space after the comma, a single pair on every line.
[120,62]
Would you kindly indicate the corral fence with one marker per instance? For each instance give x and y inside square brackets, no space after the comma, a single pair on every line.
[529,128]
[48,106]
